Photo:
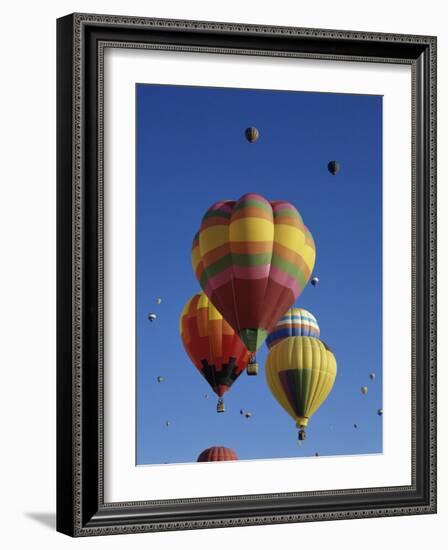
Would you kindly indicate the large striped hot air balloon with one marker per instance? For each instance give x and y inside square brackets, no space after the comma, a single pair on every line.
[215,454]
[295,322]
[300,372]
[253,258]
[212,345]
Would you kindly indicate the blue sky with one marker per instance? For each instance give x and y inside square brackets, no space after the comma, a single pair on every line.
[191,152]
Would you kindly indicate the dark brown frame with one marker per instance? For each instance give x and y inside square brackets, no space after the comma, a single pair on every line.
[81,39]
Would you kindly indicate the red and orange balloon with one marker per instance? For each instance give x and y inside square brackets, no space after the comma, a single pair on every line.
[217,454]
[211,343]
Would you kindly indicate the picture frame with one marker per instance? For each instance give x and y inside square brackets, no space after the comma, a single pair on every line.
[81,507]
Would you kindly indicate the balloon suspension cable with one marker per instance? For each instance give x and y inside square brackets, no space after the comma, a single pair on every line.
[252,366]
[302,434]
[220,407]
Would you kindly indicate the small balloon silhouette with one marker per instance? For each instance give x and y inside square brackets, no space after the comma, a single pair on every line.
[252,134]
[333,167]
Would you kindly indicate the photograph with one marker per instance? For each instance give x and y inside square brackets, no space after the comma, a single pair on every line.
[258,274]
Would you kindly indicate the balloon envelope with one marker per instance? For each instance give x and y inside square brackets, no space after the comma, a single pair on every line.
[253,258]
[295,322]
[333,167]
[252,134]
[300,372]
[212,344]
[215,454]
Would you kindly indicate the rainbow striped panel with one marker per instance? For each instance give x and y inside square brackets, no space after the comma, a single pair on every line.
[295,322]
[253,258]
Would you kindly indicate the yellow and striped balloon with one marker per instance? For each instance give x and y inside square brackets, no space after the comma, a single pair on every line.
[253,258]
[300,372]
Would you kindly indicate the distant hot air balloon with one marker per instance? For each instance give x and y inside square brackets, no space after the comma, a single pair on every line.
[217,454]
[160,379]
[252,134]
[315,281]
[300,372]
[364,390]
[152,317]
[159,301]
[167,423]
[295,322]
[316,454]
[372,376]
[380,412]
[253,258]
[355,426]
[333,167]
[212,345]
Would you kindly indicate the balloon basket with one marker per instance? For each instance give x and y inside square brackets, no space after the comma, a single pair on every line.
[302,435]
[220,407]
[252,369]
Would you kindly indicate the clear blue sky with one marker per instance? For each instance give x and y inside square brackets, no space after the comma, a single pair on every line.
[191,152]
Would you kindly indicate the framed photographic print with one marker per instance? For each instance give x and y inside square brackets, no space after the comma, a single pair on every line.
[246,274]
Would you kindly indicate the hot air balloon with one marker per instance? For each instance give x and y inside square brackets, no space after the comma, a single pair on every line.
[160,379]
[315,281]
[252,134]
[355,426]
[152,317]
[364,390]
[295,322]
[333,167]
[372,376]
[300,372]
[159,301]
[253,258]
[167,423]
[217,454]
[212,345]
[380,412]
